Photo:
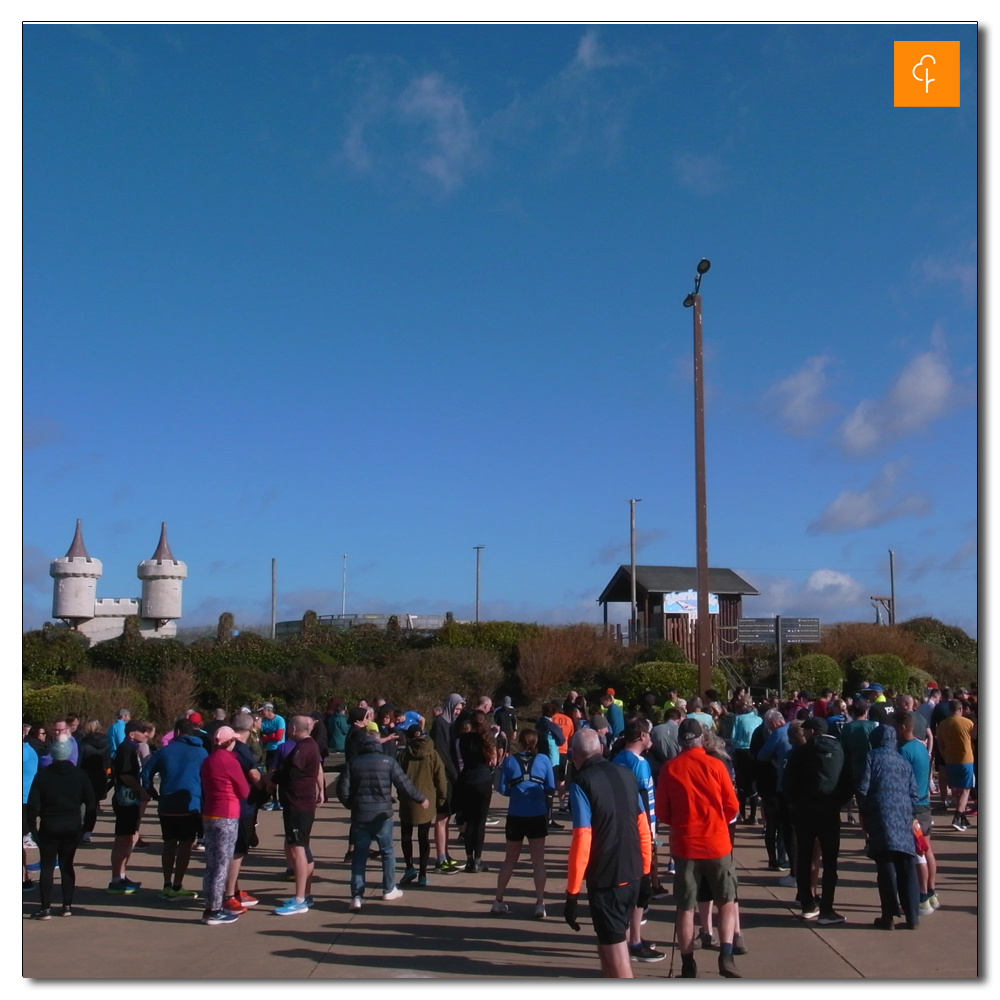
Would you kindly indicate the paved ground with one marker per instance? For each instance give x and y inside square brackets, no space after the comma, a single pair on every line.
[446,929]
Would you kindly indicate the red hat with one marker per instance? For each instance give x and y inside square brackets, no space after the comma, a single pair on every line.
[195,718]
[932,685]
[611,691]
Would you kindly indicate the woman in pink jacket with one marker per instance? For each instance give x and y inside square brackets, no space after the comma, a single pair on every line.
[222,787]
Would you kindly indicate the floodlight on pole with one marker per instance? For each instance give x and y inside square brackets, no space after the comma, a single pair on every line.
[704,625]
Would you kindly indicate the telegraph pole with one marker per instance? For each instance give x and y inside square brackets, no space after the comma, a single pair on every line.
[274,595]
[343,590]
[479,552]
[704,630]
[892,590]
[633,623]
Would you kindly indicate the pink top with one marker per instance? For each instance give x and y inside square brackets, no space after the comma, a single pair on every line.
[222,785]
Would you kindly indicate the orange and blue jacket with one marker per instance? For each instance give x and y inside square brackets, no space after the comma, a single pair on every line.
[611,844]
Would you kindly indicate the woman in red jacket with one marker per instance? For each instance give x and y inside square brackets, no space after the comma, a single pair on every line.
[222,786]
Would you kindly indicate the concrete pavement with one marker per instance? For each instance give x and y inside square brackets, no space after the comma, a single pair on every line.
[446,930]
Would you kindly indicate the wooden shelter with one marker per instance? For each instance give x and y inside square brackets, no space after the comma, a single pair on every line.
[652,582]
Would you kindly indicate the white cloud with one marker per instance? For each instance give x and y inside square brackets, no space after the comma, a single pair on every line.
[854,510]
[828,594]
[923,392]
[703,174]
[449,139]
[798,400]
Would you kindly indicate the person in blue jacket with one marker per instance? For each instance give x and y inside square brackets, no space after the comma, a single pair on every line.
[528,779]
[178,802]
[615,716]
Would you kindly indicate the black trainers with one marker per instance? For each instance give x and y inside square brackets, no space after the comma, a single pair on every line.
[883,923]
[810,911]
[831,917]
[727,968]
[689,967]
[45,914]
[644,953]
[66,911]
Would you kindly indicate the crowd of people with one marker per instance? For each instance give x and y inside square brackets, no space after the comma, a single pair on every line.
[653,789]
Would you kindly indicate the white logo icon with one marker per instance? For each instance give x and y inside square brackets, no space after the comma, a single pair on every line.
[926,79]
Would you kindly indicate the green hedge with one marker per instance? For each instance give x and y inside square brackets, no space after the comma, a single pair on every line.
[813,672]
[660,676]
[43,704]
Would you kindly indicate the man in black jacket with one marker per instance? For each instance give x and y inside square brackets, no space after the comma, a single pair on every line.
[365,787]
[818,786]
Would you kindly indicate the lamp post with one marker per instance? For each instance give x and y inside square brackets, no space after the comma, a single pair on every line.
[343,591]
[479,552]
[704,628]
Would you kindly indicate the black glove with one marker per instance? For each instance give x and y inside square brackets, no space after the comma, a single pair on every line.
[645,892]
[569,910]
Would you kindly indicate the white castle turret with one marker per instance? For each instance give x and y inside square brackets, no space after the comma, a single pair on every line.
[161,576]
[74,596]
[75,574]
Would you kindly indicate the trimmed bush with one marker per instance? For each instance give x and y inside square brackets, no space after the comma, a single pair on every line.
[53,656]
[918,680]
[662,651]
[881,668]
[660,676]
[813,672]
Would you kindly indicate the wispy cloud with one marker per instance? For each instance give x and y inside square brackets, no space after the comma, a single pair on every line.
[448,142]
[613,551]
[854,510]
[923,391]
[38,433]
[35,568]
[701,173]
[428,126]
[798,401]
[958,269]
[967,550]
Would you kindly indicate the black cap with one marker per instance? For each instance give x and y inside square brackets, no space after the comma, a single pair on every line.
[815,725]
[689,732]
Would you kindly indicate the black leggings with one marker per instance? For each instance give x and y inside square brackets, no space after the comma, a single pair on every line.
[745,766]
[62,846]
[475,805]
[423,840]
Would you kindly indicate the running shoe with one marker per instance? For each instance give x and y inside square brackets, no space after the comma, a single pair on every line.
[644,953]
[233,905]
[449,867]
[355,904]
[422,880]
[27,885]
[925,908]
[883,923]
[66,911]
[122,887]
[934,901]
[829,918]
[392,894]
[288,875]
[956,824]
[539,913]
[37,867]
[553,825]
[777,866]
[214,917]
[45,914]
[247,900]
[499,906]
[493,822]
[85,838]
[289,907]
[28,842]
[410,875]
[810,911]
[310,902]
[268,806]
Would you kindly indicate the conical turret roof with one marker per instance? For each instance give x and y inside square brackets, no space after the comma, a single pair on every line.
[163,553]
[78,550]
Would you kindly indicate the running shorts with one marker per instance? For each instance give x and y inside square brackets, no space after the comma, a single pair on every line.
[246,835]
[611,911]
[521,828]
[183,827]
[126,819]
[961,775]
[298,826]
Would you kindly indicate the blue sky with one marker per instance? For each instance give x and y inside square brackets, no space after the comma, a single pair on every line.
[399,291]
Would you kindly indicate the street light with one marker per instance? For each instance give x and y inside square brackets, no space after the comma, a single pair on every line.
[479,552]
[704,628]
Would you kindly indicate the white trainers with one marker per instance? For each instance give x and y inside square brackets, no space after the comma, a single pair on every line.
[499,906]
[539,911]
[28,842]
[926,908]
[393,894]
[355,904]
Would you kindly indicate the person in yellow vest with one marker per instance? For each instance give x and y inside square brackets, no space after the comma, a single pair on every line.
[617,701]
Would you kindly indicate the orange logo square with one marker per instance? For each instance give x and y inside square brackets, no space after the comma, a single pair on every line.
[925,74]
